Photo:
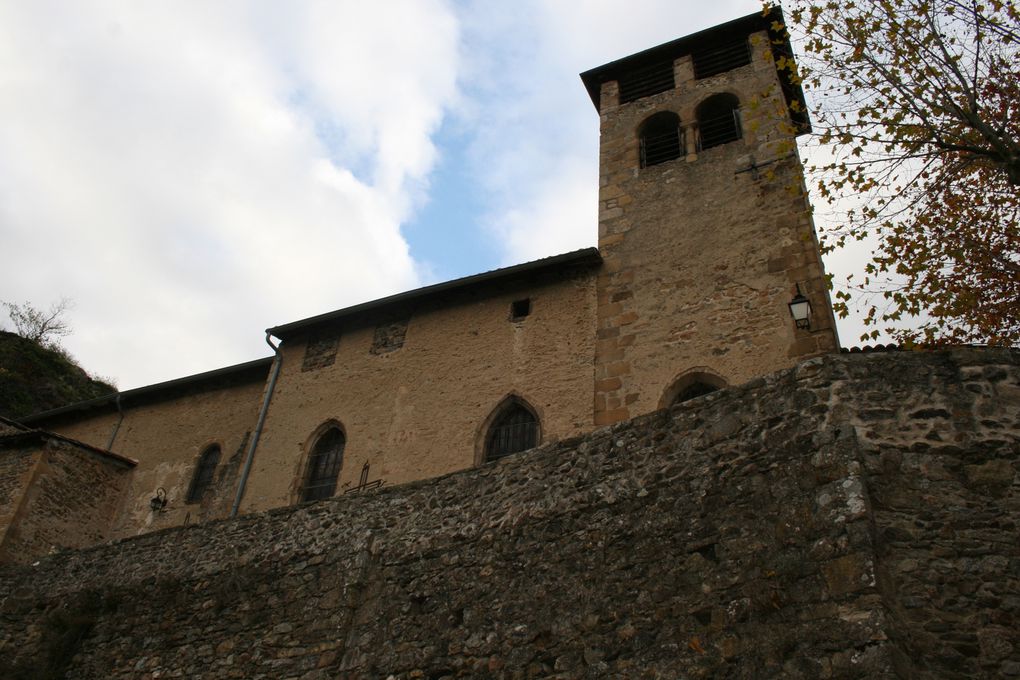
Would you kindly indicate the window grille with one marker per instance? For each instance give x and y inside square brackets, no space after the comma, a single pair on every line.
[662,139]
[204,472]
[515,430]
[718,121]
[646,81]
[324,466]
[721,58]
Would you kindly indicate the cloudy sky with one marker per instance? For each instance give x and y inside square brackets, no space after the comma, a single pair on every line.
[191,173]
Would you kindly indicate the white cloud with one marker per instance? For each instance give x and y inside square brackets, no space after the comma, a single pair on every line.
[193,172]
[536,146]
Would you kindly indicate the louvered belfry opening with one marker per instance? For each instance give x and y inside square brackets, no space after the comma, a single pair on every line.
[721,57]
[515,430]
[204,473]
[646,81]
[662,139]
[324,466]
[719,121]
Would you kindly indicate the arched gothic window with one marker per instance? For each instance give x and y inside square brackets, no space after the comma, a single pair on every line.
[661,138]
[515,429]
[324,465]
[204,471]
[719,120]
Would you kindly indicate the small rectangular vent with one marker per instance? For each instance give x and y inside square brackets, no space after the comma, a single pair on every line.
[646,81]
[721,58]
[520,309]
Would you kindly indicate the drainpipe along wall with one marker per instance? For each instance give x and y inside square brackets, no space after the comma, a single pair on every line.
[250,457]
[116,427]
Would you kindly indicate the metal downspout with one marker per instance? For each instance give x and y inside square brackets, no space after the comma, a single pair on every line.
[116,427]
[274,373]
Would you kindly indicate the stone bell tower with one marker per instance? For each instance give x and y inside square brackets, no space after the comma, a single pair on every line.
[704,225]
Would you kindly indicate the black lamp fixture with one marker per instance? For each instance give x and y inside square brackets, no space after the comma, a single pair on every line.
[158,502]
[800,310]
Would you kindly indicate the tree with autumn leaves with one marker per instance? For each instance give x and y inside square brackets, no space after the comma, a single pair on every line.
[917,104]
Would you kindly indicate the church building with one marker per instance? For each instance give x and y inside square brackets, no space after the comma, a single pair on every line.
[707,274]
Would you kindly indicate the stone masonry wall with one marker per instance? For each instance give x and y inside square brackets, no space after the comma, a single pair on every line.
[15,474]
[702,253]
[70,502]
[852,517]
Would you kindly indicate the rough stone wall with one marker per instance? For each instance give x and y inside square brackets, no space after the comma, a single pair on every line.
[16,467]
[167,437]
[702,253]
[69,499]
[828,521]
[411,394]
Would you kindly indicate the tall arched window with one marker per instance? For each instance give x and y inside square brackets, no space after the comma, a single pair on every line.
[204,472]
[719,120]
[514,429]
[324,465]
[661,138]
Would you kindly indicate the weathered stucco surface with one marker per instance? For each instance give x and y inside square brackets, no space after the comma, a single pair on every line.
[852,517]
[418,411]
[167,437]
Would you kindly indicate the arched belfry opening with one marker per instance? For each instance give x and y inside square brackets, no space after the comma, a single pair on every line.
[662,138]
[691,385]
[718,120]
[513,427]
[323,468]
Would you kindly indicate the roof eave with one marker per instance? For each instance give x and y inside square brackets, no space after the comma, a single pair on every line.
[577,258]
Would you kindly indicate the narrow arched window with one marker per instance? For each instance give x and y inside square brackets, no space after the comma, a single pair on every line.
[661,138]
[515,429]
[204,472]
[324,465]
[718,120]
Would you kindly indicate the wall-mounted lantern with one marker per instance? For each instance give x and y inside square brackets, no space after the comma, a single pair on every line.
[158,502]
[800,310]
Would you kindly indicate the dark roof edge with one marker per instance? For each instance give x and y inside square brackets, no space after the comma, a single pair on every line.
[148,390]
[25,433]
[757,21]
[585,256]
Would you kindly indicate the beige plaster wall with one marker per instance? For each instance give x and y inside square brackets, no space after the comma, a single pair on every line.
[166,438]
[702,253]
[417,412]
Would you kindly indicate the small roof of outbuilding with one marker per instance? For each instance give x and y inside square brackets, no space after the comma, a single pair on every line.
[13,433]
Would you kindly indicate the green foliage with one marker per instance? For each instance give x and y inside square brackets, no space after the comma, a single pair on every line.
[38,326]
[34,378]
